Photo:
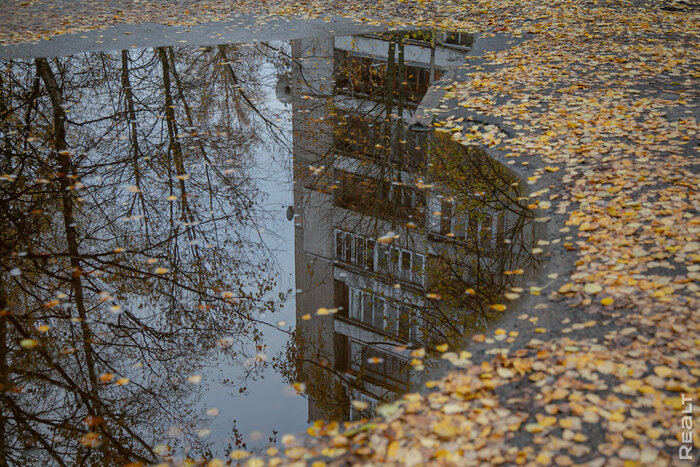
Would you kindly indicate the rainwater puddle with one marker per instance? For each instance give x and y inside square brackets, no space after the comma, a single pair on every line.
[205,248]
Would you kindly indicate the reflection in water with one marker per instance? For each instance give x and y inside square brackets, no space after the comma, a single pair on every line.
[135,256]
[403,239]
[127,260]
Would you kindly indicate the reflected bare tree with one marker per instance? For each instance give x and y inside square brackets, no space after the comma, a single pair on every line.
[129,234]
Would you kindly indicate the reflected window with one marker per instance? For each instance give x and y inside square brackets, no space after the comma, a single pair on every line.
[360,252]
[339,242]
[406,266]
[378,198]
[417,268]
[391,316]
[385,315]
[383,257]
[377,364]
[378,314]
[355,304]
[394,260]
[403,323]
[370,255]
[485,232]
[348,248]
[367,309]
[457,38]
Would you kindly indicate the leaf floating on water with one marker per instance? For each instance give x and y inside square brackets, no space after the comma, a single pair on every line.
[92,421]
[226,341]
[106,377]
[239,454]
[360,405]
[387,238]
[91,440]
[29,343]
[194,379]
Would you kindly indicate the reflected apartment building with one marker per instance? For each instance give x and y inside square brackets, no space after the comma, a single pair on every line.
[371,235]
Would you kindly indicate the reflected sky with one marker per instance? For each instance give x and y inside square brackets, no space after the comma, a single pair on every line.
[205,248]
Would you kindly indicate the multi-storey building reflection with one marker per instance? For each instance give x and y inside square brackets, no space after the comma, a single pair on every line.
[400,263]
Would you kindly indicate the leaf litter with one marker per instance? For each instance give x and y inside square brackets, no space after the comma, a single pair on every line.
[601,100]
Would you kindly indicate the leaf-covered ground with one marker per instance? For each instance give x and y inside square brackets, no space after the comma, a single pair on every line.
[599,104]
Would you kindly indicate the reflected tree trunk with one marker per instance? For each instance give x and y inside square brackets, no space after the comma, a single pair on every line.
[65,175]
[3,370]
[133,129]
[63,157]
[174,148]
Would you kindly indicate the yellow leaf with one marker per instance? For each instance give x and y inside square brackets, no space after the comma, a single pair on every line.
[239,454]
[392,449]
[663,371]
[444,429]
[566,287]
[634,383]
[592,288]
[28,343]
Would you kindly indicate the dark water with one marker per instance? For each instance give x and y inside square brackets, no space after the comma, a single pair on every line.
[206,248]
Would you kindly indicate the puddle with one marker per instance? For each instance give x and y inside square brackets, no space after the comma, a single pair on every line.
[205,248]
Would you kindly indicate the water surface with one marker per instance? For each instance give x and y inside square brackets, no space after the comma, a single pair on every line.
[207,247]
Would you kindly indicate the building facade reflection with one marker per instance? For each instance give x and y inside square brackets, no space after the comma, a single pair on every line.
[393,253]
